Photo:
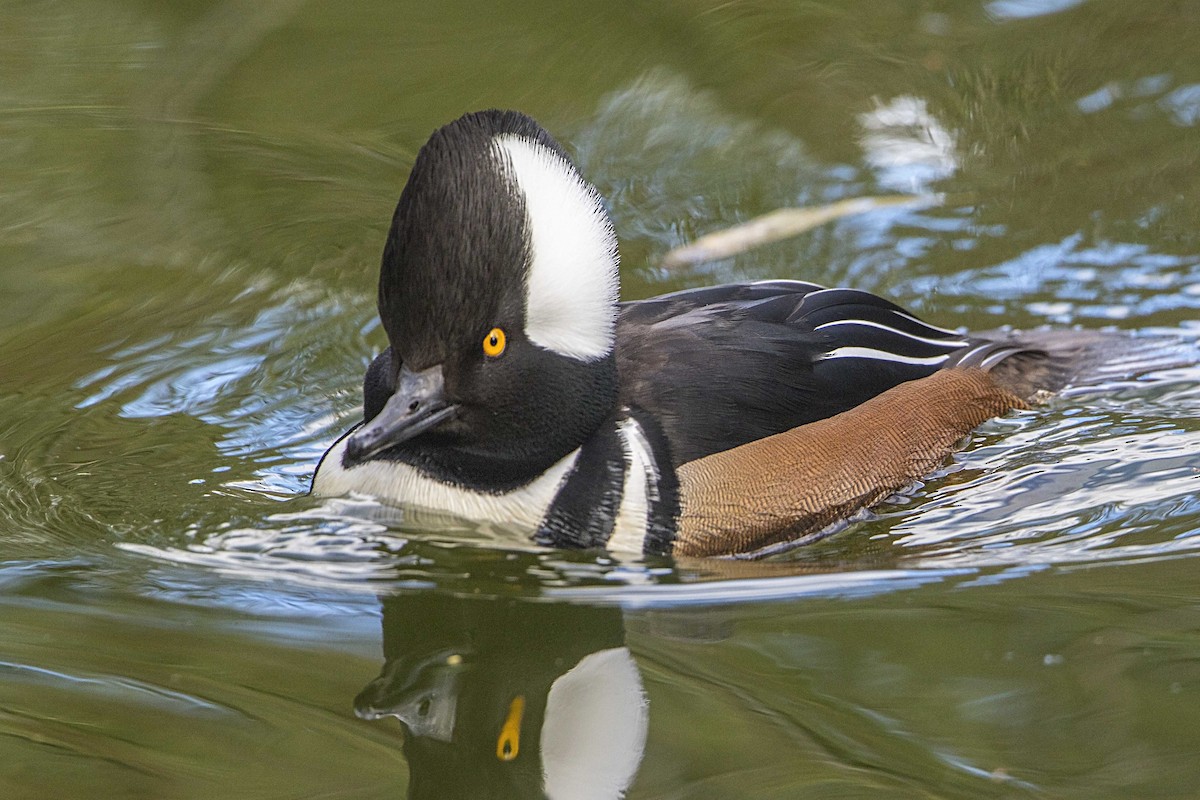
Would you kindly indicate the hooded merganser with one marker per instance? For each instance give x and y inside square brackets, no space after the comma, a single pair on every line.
[503,698]
[517,389]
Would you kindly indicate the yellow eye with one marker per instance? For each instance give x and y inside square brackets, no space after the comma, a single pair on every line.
[493,343]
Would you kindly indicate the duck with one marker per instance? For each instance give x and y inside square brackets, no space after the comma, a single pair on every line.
[506,698]
[730,420]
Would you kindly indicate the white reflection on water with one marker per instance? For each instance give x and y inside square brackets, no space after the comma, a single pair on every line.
[115,688]
[907,146]
[1023,9]
[1087,279]
[1184,104]
[844,585]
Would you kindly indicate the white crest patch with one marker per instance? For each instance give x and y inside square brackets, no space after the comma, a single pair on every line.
[572,285]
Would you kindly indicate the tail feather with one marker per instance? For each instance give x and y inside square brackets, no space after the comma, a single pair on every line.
[1033,363]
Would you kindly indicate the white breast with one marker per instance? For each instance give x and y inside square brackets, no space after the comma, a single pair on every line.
[401,484]
[523,508]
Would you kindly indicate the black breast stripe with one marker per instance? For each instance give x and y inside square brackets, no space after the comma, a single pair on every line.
[585,508]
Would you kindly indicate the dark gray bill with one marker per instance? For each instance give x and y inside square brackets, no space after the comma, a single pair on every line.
[418,404]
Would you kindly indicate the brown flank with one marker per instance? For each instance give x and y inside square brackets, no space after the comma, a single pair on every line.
[794,484]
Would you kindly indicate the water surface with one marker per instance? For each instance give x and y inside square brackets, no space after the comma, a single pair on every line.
[193,199]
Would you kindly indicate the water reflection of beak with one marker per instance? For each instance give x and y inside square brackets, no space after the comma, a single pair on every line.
[424,698]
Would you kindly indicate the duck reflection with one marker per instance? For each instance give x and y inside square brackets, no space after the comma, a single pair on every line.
[510,698]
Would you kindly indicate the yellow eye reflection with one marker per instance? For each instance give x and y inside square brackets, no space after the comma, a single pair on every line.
[509,742]
[494,342]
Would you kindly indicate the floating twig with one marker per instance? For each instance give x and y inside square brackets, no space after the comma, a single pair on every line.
[783,223]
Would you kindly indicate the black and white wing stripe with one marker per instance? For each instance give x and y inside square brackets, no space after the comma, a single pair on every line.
[859,325]
[869,341]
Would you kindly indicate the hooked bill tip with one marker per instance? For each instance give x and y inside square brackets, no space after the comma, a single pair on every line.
[357,450]
[384,431]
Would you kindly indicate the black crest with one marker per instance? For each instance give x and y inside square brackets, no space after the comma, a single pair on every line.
[456,251]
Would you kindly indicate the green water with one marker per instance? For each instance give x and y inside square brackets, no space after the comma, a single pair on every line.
[193,198]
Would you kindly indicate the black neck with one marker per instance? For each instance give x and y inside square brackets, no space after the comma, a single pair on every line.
[567,405]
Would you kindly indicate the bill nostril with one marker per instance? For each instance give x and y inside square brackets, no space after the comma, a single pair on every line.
[413,406]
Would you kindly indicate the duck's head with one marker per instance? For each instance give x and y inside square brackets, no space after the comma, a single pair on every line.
[498,293]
